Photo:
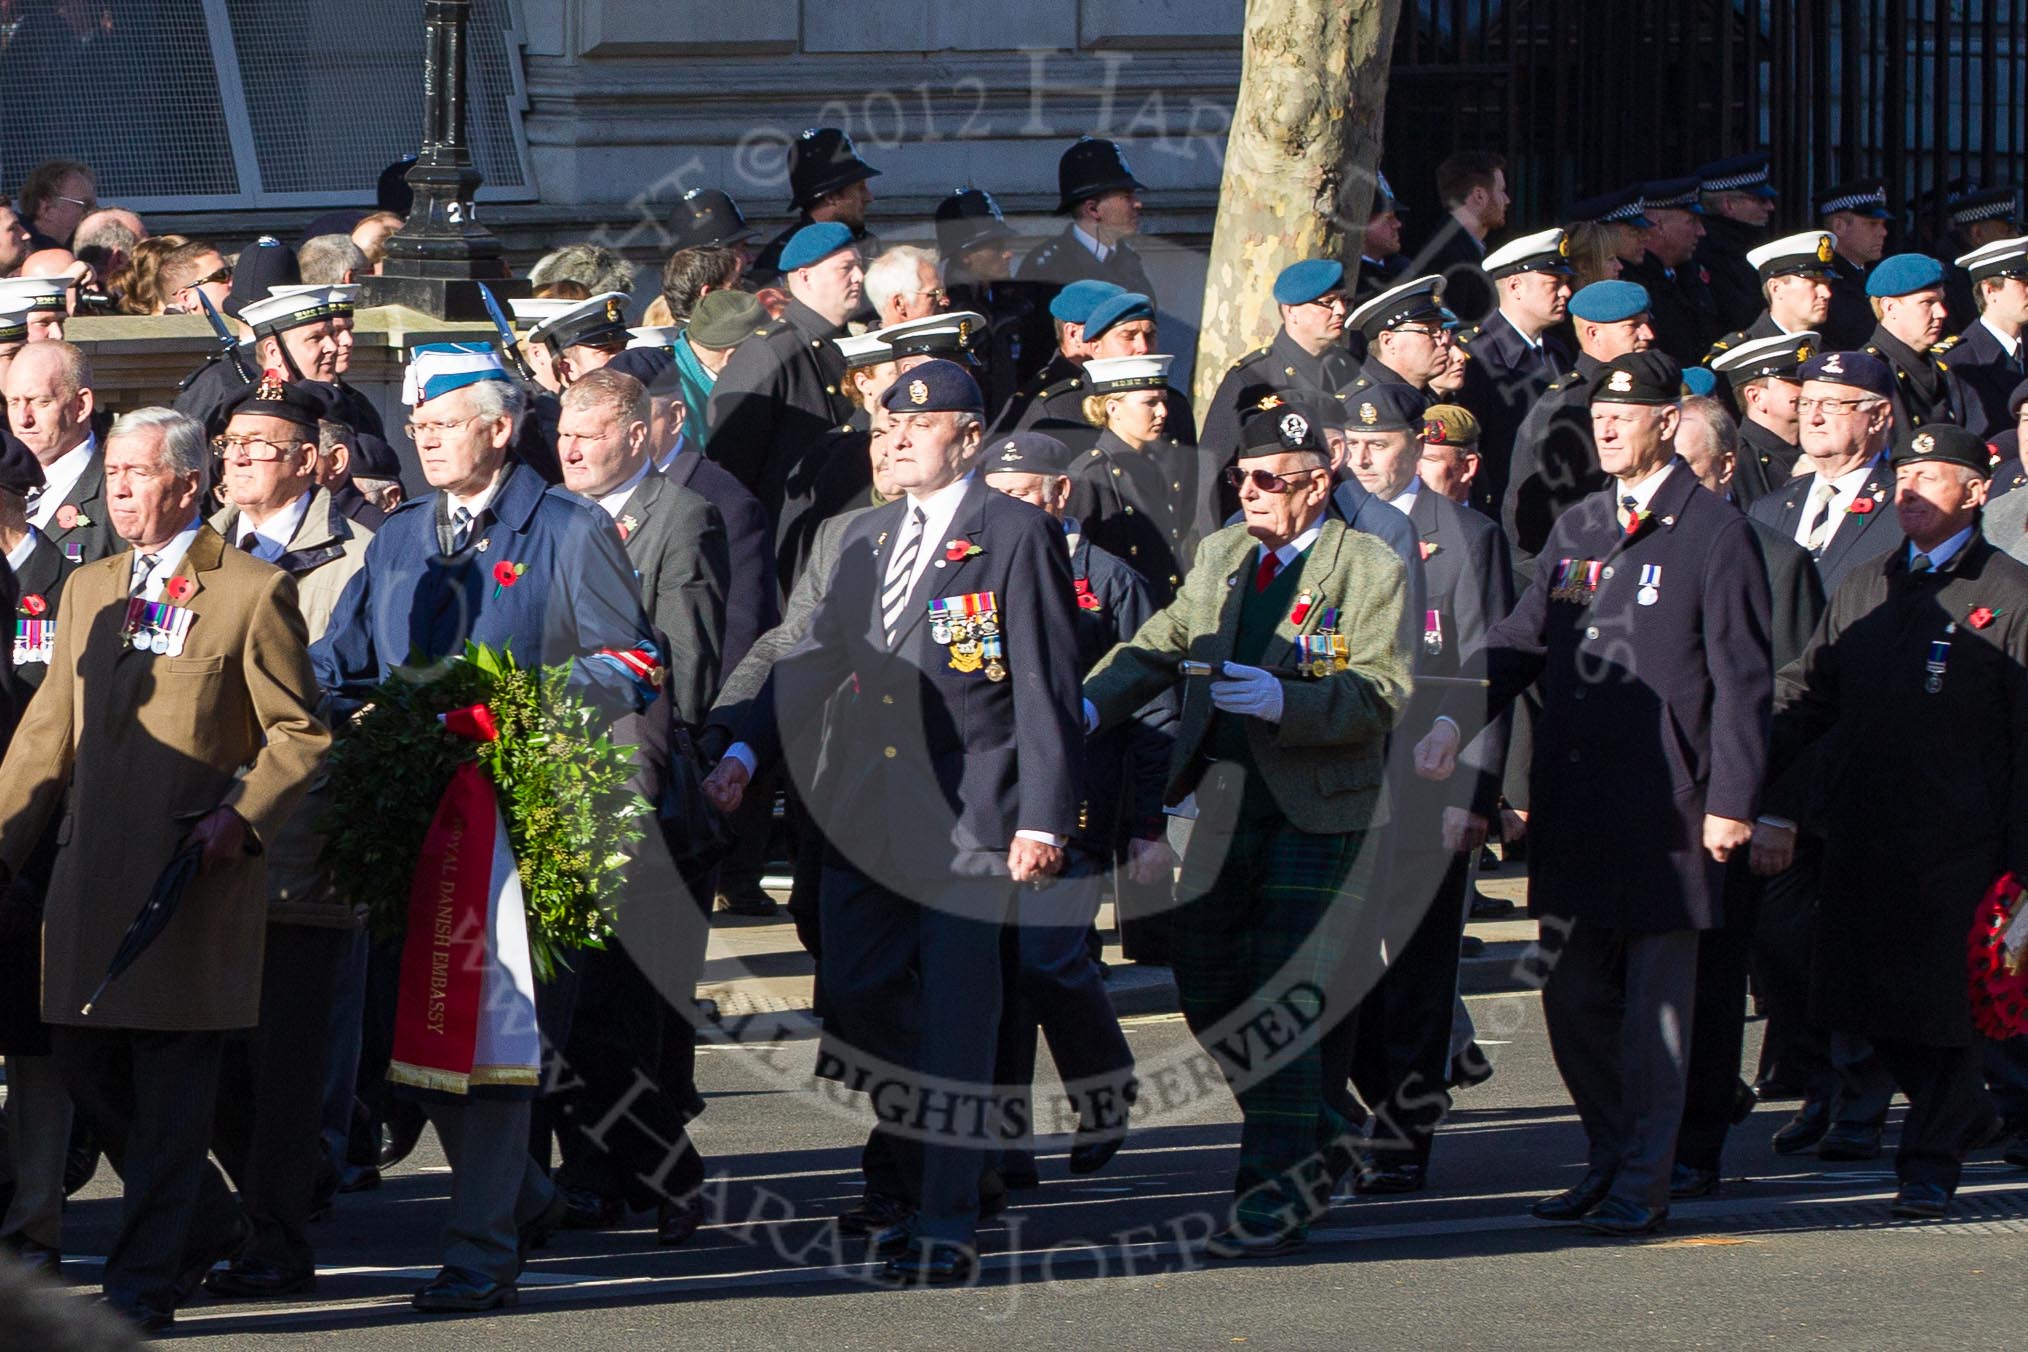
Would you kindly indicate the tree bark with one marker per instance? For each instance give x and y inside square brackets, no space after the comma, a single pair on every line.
[1299,162]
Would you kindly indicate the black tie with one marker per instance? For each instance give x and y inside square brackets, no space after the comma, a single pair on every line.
[249,541]
[1919,564]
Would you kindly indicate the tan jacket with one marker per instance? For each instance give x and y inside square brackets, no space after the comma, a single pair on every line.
[322,555]
[1325,760]
[148,744]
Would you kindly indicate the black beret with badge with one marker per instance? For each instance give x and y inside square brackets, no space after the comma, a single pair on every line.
[275,397]
[1387,407]
[935,387]
[1027,453]
[1279,427]
[1943,442]
[1649,377]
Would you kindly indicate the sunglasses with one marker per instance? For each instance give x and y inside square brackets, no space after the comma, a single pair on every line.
[1238,478]
[224,274]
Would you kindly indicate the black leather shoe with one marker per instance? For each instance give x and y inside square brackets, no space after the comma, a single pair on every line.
[29,1254]
[1490,908]
[1091,1152]
[1986,1135]
[1621,1219]
[1850,1141]
[81,1160]
[749,899]
[1575,1203]
[892,1240]
[1237,1242]
[676,1222]
[1384,1179]
[146,1318]
[462,1291]
[1920,1202]
[1744,1101]
[258,1278]
[202,1257]
[1778,1086]
[1471,946]
[1805,1129]
[536,1233]
[1470,1068]
[400,1133]
[928,1263]
[2016,1152]
[876,1210]
[1687,1180]
[584,1209]
[358,1178]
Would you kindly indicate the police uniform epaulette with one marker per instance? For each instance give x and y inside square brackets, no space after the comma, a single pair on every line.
[1463,337]
[1067,383]
[1254,355]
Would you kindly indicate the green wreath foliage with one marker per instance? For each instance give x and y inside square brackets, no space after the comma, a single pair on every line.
[562,783]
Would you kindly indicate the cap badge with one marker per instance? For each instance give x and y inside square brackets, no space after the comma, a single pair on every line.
[272,386]
[1563,247]
[1433,432]
[1621,383]
[1923,444]
[1368,414]
[1011,453]
[1294,428]
[964,333]
[918,393]
[1270,401]
[612,312]
[1823,248]
[1803,352]
[1834,365]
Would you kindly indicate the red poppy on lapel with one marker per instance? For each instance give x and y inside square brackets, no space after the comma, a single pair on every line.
[1086,598]
[33,605]
[1302,610]
[1860,506]
[179,588]
[506,574]
[954,550]
[1429,547]
[1982,617]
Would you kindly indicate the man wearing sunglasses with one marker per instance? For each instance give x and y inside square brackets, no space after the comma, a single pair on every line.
[1288,773]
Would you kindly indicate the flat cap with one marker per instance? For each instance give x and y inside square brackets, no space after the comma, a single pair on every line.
[1808,254]
[1610,302]
[1073,304]
[1422,298]
[1386,407]
[1114,310]
[814,243]
[1544,251]
[1860,370]
[1449,425]
[1899,274]
[726,318]
[1945,442]
[1650,377]
[935,387]
[1780,356]
[1301,283]
[1027,453]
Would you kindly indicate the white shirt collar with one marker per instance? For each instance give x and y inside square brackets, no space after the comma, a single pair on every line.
[662,462]
[1293,550]
[939,509]
[59,478]
[2011,345]
[18,556]
[1096,249]
[167,559]
[1845,490]
[1404,502]
[613,501]
[1644,491]
[479,501]
[1534,344]
[271,539]
[1946,551]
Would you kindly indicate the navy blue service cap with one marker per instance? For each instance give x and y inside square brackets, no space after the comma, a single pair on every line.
[1301,283]
[1860,370]
[1674,194]
[1650,377]
[1073,304]
[1944,442]
[1115,310]
[1986,204]
[1027,453]
[1611,302]
[814,244]
[1386,407]
[1865,197]
[1737,173]
[1902,273]
[935,387]
[1623,206]
[1421,299]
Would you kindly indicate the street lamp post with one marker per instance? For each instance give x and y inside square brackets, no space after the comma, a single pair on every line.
[437,259]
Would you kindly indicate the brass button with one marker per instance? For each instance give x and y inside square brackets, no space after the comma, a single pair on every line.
[1130,511]
[1116,471]
[1606,574]
[887,699]
[1592,632]
[1134,550]
[830,389]
[890,753]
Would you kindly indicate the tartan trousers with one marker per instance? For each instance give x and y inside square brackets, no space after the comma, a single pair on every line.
[1254,949]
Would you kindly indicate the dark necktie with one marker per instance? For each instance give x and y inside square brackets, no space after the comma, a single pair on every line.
[461,528]
[1628,506]
[249,541]
[1919,564]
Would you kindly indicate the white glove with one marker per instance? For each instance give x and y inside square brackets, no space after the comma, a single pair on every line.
[1249,691]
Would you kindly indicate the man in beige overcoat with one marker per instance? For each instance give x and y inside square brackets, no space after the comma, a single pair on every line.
[188,719]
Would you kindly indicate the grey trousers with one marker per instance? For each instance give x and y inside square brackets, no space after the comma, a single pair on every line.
[38,1133]
[1619,1009]
[496,1187]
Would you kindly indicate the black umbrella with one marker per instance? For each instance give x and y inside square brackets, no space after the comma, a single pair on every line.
[160,908]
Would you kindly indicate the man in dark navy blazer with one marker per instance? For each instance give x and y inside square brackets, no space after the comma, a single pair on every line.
[1988,357]
[1646,625]
[1516,355]
[946,653]
[430,583]
[1402,1044]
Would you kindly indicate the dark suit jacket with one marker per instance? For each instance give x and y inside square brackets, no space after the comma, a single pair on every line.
[1126,767]
[1681,307]
[774,400]
[92,538]
[1063,259]
[1503,380]
[750,605]
[1452,251]
[1764,463]
[676,541]
[1859,537]
[926,769]
[1735,283]
[1851,317]
[1554,465]
[1988,375]
[1654,712]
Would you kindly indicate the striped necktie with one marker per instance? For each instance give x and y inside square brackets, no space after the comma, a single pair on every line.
[144,568]
[900,576]
[1819,514]
[461,529]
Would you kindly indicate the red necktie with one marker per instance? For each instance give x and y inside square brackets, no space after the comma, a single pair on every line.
[1269,565]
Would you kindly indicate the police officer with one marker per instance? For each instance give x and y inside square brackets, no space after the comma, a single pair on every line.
[1102,197]
[1307,357]
[1763,373]
[1856,214]
[1907,294]
[1738,203]
[977,248]
[1517,353]
[1987,355]
[1795,285]
[709,218]
[1623,213]
[1978,217]
[1930,640]
[1068,311]
[1679,289]
[1554,465]
[1660,583]
[1132,491]
[827,182]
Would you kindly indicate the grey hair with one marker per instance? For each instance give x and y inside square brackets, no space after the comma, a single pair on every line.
[1717,418]
[183,449]
[894,272]
[497,399]
[325,260]
[593,266]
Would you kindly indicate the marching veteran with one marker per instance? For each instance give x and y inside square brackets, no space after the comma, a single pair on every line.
[494,556]
[179,662]
[1285,638]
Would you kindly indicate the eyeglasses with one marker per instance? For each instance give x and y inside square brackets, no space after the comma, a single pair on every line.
[936,294]
[79,203]
[1434,335]
[416,430]
[1238,478]
[1335,302]
[1834,408]
[252,449]
[224,274]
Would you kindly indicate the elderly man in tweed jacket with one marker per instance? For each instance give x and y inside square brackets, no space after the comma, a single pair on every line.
[1286,638]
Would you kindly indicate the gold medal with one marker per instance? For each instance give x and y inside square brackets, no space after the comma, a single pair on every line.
[995,671]
[965,655]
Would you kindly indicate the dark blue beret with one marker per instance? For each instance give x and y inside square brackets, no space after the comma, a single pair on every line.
[935,387]
[1386,407]
[1902,273]
[1858,369]
[814,243]
[1027,453]
[1301,283]
[1118,309]
[1610,302]
[645,364]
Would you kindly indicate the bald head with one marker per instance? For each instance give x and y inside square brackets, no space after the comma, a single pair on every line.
[49,398]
